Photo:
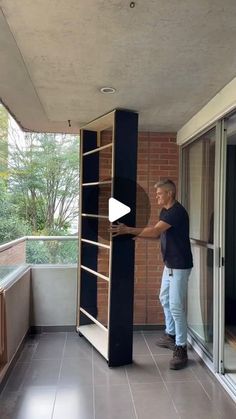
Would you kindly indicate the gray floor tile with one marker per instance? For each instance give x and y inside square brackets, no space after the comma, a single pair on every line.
[139,345]
[152,400]
[76,371]
[113,402]
[49,348]
[186,374]
[33,337]
[77,347]
[84,382]
[143,370]
[26,355]
[74,402]
[201,371]
[54,336]
[227,410]
[73,335]
[191,401]
[220,398]
[28,350]
[42,373]
[33,403]
[16,378]
[103,375]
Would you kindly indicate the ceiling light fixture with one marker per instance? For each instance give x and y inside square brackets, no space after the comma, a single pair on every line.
[107,90]
[132,4]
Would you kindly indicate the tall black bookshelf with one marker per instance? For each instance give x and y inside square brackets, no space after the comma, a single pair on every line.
[112,336]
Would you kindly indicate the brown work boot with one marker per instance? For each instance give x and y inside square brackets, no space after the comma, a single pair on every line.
[166,341]
[180,358]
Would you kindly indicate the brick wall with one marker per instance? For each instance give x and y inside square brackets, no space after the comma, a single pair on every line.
[157,159]
[105,159]
[13,256]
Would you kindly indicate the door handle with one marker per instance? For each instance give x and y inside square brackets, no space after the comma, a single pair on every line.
[220,259]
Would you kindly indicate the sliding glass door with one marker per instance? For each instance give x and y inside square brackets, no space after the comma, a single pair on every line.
[198,198]
[227,292]
[209,195]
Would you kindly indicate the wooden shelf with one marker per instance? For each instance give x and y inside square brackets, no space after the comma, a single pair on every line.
[95,216]
[97,336]
[96,150]
[103,182]
[105,246]
[95,273]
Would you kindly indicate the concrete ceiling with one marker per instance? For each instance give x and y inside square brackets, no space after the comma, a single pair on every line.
[165,58]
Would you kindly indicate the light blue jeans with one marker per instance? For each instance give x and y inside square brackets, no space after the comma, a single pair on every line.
[172,296]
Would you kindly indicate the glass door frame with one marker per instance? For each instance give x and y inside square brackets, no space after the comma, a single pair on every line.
[222,244]
[216,362]
[219,253]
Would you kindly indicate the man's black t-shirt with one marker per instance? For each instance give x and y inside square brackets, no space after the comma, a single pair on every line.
[175,243]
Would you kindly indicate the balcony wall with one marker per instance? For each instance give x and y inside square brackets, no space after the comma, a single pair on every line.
[53,295]
[13,256]
[17,306]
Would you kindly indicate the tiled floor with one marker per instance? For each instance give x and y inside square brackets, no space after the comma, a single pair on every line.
[60,376]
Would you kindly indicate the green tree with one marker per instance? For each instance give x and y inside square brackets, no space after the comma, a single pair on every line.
[44,179]
[11,226]
[3,142]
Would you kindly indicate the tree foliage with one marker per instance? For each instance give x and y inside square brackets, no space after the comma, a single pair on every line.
[52,252]
[3,142]
[11,226]
[44,179]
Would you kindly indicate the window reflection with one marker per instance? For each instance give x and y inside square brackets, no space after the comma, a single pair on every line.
[200,162]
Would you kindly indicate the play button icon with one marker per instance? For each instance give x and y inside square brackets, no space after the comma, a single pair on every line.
[131,208]
[116,209]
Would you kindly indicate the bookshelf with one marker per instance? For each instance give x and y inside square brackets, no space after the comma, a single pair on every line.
[108,157]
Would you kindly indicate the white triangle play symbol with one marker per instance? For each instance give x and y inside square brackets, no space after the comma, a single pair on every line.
[117,209]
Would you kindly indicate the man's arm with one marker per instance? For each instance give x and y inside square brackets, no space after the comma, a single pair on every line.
[145,233]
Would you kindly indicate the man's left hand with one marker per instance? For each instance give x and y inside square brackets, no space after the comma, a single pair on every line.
[118,229]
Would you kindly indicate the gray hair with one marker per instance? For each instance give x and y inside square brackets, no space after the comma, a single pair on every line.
[167,184]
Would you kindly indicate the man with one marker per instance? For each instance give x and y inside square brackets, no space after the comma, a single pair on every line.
[173,231]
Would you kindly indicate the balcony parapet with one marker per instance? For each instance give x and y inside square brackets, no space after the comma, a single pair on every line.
[37,250]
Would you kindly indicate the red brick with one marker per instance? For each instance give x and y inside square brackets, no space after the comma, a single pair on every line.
[158,158]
